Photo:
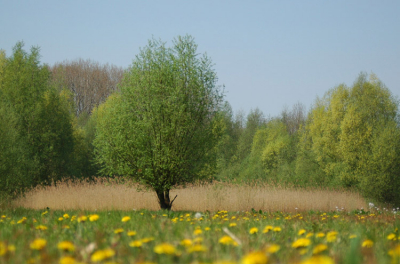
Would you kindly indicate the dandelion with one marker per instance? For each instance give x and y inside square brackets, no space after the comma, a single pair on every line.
[66,246]
[100,255]
[232,224]
[165,248]
[301,232]
[320,234]
[136,243]
[319,248]
[60,219]
[352,236]
[256,257]
[186,242]
[67,260]
[196,248]
[395,252]
[41,227]
[131,233]
[277,229]
[367,243]
[227,240]
[319,259]
[3,249]
[94,217]
[66,216]
[22,220]
[197,232]
[118,231]
[331,236]
[253,230]
[147,239]
[82,218]
[267,229]
[11,248]
[45,212]
[125,219]
[301,242]
[272,248]
[391,236]
[38,244]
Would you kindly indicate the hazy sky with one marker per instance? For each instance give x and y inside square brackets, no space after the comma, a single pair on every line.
[268,54]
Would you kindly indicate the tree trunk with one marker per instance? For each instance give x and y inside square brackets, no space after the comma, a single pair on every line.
[164,200]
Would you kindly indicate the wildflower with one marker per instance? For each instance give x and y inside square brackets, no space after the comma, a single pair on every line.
[391,236]
[198,240]
[267,229]
[3,248]
[100,255]
[272,248]
[319,248]
[67,260]
[367,243]
[131,233]
[319,259]
[125,219]
[301,242]
[82,218]
[232,224]
[253,230]
[118,231]
[197,232]
[320,234]
[60,219]
[227,240]
[186,242]
[136,243]
[41,227]
[256,257]
[196,248]
[38,244]
[277,229]
[147,239]
[395,252]
[66,246]
[352,236]
[65,226]
[301,232]
[331,236]
[94,217]
[45,212]
[165,248]
[11,248]
[22,220]
[66,216]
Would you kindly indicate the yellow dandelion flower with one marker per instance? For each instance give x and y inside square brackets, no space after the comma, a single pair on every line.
[301,232]
[227,240]
[60,219]
[100,255]
[391,237]
[320,234]
[186,242]
[136,243]
[267,229]
[45,212]
[196,248]
[367,243]
[319,248]
[147,239]
[271,249]
[73,218]
[41,227]
[253,230]
[257,257]
[67,260]
[22,220]
[94,217]
[331,236]
[82,218]
[207,228]
[277,229]
[125,219]
[38,244]
[165,248]
[232,224]
[3,248]
[197,232]
[3,216]
[352,236]
[301,242]
[66,216]
[395,252]
[118,231]
[11,248]
[131,233]
[66,246]
[319,259]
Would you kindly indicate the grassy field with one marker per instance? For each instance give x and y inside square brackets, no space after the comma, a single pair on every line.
[113,222]
[55,236]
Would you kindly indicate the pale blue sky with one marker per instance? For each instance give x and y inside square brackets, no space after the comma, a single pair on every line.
[268,54]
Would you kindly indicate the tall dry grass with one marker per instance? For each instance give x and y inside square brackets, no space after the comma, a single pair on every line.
[105,194]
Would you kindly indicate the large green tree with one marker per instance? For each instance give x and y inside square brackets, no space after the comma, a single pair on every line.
[162,128]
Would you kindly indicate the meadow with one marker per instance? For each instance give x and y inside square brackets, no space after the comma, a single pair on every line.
[108,222]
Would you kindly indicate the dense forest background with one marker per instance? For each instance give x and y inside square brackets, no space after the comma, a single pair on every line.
[348,138]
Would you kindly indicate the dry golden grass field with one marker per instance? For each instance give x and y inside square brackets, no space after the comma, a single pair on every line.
[104,194]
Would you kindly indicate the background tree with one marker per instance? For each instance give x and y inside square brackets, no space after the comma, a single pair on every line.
[162,128]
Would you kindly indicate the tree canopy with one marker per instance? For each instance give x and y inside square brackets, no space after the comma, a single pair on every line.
[162,127]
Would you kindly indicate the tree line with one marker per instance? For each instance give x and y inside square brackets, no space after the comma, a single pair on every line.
[163,122]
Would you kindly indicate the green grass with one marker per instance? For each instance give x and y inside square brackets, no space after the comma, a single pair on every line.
[89,237]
